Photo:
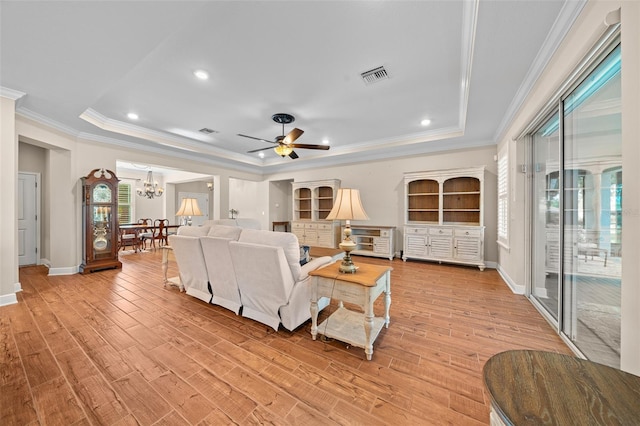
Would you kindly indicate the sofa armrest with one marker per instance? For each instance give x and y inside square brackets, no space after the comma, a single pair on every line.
[312,265]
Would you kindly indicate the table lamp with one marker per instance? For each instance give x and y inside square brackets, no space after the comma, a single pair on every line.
[347,207]
[188,208]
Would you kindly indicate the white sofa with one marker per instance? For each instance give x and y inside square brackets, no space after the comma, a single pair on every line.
[188,254]
[245,223]
[274,288]
[251,271]
[220,271]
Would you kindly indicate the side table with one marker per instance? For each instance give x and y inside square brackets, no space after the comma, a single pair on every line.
[362,289]
[165,267]
[285,225]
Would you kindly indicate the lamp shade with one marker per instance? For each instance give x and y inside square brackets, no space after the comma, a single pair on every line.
[189,207]
[347,206]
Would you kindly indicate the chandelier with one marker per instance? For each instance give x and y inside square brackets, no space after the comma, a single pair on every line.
[150,187]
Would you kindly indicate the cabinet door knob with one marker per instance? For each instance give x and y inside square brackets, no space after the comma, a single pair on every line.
[466,233]
[441,231]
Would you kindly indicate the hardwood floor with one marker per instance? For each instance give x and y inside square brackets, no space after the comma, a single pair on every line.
[115,347]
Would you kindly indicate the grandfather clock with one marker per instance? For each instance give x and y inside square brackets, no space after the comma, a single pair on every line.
[99,221]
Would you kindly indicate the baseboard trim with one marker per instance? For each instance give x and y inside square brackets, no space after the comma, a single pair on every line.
[517,289]
[9,299]
[70,270]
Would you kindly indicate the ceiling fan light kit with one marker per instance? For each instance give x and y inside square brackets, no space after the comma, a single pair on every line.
[285,143]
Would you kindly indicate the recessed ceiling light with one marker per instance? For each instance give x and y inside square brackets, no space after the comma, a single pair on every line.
[261,155]
[425,122]
[132,116]
[325,141]
[201,74]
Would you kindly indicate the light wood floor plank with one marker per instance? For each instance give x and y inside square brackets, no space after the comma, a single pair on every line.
[117,348]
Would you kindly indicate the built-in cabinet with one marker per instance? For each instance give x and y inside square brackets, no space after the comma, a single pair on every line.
[374,241]
[444,216]
[312,202]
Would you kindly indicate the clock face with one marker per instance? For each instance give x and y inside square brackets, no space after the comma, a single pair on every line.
[101,194]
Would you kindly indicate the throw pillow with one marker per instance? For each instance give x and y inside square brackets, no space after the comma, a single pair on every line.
[304,255]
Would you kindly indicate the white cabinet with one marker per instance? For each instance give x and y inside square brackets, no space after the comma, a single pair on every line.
[312,202]
[444,216]
[373,240]
[445,243]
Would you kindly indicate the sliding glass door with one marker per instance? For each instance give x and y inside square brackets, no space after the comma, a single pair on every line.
[547,217]
[577,211]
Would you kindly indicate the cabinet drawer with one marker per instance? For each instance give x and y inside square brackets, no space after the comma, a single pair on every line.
[310,226]
[385,233]
[468,233]
[441,231]
[297,225]
[419,231]
[324,226]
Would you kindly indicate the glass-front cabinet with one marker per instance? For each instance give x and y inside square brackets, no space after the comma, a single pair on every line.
[312,202]
[444,216]
[100,221]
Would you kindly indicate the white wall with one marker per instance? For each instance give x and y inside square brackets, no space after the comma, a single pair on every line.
[586,31]
[280,201]
[8,211]
[251,199]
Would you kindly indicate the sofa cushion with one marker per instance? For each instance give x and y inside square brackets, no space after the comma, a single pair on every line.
[193,231]
[223,231]
[288,241]
[247,223]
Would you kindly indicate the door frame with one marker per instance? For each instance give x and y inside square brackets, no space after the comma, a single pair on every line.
[38,223]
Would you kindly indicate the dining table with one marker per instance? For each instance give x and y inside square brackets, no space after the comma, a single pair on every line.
[137,228]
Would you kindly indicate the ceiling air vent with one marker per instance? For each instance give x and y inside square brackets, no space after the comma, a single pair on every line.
[374,75]
[207,131]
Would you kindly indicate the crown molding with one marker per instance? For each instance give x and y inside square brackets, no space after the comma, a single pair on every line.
[41,119]
[469,24]
[197,147]
[213,161]
[568,15]
[14,95]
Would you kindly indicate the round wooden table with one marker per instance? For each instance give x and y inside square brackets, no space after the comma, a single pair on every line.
[546,388]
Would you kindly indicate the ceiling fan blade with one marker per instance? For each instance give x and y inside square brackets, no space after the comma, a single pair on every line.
[258,150]
[307,146]
[292,136]
[293,155]
[258,139]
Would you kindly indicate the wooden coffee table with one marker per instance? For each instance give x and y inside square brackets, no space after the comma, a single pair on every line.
[362,289]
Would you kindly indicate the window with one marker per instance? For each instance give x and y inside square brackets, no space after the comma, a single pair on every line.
[125,208]
[503,196]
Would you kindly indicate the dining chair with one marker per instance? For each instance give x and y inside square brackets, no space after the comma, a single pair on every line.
[160,232]
[145,234]
[128,238]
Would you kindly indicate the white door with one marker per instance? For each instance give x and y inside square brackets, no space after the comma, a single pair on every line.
[27,219]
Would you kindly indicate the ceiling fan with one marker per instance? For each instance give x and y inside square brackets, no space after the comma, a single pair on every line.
[284,143]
